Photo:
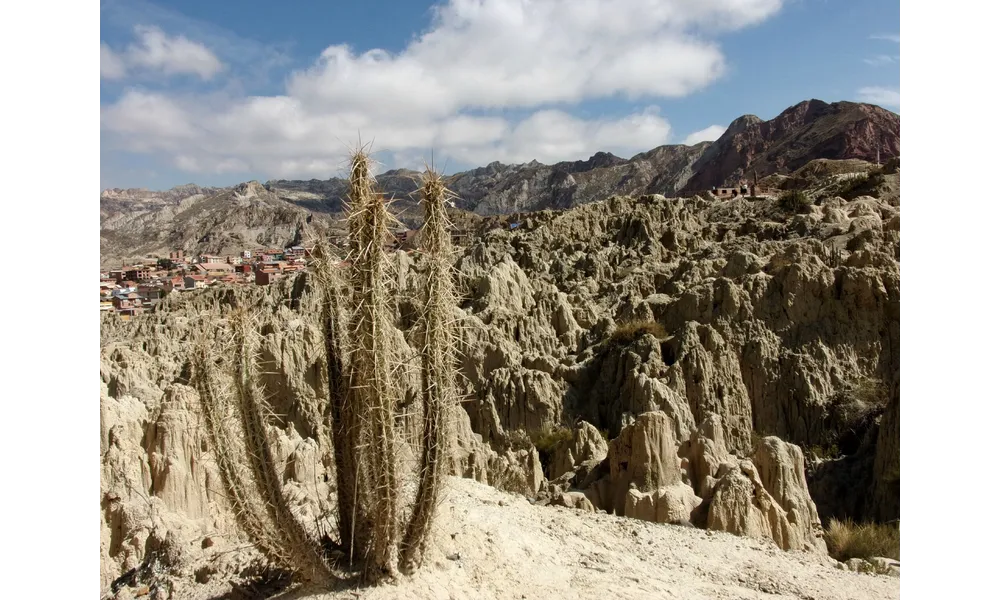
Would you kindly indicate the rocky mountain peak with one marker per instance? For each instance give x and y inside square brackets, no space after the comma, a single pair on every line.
[250,189]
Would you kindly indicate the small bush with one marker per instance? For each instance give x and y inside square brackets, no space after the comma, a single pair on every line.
[546,442]
[630,331]
[891,167]
[825,452]
[849,415]
[847,539]
[794,201]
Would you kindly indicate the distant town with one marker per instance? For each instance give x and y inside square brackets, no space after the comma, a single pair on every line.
[131,289]
[137,287]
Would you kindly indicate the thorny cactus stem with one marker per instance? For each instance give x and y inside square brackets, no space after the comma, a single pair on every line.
[345,426]
[231,459]
[373,389]
[438,367]
[302,549]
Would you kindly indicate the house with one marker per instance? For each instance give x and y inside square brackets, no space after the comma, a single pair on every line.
[214,269]
[177,256]
[138,273]
[149,291]
[210,259]
[275,265]
[247,255]
[244,268]
[129,312]
[124,302]
[107,305]
[729,192]
[192,282]
[295,252]
[234,260]
[265,276]
[173,283]
[116,274]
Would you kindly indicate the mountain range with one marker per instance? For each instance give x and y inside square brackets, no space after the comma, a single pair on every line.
[136,222]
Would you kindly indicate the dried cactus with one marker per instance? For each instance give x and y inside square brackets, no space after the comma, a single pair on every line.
[363,396]
[438,368]
[373,391]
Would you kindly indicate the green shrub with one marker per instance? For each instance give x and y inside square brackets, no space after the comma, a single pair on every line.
[846,540]
[630,331]
[795,201]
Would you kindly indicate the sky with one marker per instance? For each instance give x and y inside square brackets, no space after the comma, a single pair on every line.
[220,93]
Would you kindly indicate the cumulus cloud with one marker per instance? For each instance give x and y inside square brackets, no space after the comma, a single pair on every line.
[879,95]
[708,134]
[112,66]
[454,89]
[156,52]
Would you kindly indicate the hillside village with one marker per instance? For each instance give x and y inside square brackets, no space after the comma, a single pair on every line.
[131,289]
[134,288]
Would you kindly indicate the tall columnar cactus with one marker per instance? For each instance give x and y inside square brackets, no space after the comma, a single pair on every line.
[438,364]
[357,325]
[230,456]
[373,390]
[252,482]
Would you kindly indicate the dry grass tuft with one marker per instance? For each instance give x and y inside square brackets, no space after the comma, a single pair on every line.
[847,539]
[630,331]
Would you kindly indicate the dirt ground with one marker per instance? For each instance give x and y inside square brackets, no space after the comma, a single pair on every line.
[496,545]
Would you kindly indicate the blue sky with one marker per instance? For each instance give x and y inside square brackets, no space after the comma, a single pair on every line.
[219,93]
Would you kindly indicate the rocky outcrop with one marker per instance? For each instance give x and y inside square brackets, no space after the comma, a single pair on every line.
[809,130]
[741,505]
[648,475]
[587,444]
[687,329]
[198,219]
[781,467]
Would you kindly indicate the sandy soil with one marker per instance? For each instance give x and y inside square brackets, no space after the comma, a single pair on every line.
[496,545]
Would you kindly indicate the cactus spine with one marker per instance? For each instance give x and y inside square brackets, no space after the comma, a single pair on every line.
[438,365]
[363,396]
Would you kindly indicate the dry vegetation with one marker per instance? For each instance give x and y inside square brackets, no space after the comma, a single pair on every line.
[795,201]
[630,331]
[546,442]
[847,539]
[374,534]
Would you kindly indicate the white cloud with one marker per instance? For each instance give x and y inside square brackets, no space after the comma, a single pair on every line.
[889,37]
[881,60]
[156,52]
[451,88]
[708,134]
[879,95]
[172,55]
[112,67]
